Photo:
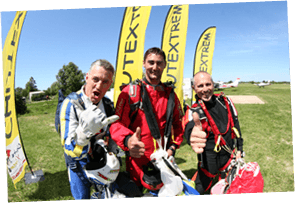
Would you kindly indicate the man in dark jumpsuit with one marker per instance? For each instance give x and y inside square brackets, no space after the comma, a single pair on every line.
[213,115]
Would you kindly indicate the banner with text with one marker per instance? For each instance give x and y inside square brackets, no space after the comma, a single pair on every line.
[204,53]
[173,44]
[131,46]
[15,158]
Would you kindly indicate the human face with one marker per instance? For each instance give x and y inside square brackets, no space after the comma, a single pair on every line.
[203,86]
[154,66]
[98,81]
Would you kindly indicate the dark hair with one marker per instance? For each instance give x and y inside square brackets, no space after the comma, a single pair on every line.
[155,50]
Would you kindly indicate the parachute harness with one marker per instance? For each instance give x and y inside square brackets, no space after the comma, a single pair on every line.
[220,143]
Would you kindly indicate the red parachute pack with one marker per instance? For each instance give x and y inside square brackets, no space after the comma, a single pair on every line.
[241,178]
[247,180]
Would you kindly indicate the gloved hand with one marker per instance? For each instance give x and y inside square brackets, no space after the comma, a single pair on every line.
[91,121]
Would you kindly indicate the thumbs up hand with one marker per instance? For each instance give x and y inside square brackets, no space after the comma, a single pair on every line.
[136,147]
[198,137]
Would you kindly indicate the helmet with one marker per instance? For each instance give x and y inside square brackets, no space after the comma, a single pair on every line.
[150,177]
[105,166]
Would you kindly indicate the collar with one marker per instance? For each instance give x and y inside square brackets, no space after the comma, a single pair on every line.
[209,103]
[158,87]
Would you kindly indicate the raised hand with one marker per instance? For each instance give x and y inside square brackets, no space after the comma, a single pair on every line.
[135,145]
[198,136]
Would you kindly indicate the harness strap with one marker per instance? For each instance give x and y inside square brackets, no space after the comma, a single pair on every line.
[151,119]
[75,166]
[203,119]
[219,141]
[149,114]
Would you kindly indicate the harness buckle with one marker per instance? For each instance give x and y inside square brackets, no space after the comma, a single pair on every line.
[73,166]
[236,132]
[217,147]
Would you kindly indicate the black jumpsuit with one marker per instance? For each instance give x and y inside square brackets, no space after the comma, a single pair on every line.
[213,161]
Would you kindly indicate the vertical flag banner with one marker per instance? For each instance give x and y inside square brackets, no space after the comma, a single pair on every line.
[204,52]
[16,160]
[131,46]
[173,44]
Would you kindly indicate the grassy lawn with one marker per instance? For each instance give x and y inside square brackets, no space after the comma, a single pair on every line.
[266,129]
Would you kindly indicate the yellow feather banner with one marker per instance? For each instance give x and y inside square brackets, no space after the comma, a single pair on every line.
[204,53]
[15,158]
[131,46]
[173,44]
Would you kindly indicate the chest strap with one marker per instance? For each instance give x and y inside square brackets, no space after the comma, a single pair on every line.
[219,141]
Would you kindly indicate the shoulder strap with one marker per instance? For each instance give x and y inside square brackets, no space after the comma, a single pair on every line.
[136,104]
[170,108]
[219,141]
[198,109]
[150,116]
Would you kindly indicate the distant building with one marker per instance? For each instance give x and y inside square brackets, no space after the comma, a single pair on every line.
[34,93]
[187,88]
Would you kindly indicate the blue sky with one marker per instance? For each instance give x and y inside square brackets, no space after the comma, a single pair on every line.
[252,40]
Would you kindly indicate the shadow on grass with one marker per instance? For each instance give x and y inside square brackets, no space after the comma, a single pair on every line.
[55,187]
[189,173]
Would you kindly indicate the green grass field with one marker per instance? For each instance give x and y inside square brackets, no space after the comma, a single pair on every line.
[266,129]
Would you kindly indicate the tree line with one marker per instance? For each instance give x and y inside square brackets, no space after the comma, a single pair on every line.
[69,79]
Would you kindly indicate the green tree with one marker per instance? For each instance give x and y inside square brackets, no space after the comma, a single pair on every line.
[53,89]
[70,78]
[20,102]
[31,85]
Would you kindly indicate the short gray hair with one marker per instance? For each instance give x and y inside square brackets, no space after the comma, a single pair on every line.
[103,63]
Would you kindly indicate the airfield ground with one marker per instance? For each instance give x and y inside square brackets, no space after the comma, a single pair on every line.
[239,99]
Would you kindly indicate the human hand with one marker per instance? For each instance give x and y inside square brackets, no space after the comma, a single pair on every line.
[136,147]
[198,137]
[171,151]
[91,121]
[238,155]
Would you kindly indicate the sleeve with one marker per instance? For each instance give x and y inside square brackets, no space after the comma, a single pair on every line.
[236,124]
[69,122]
[177,136]
[119,130]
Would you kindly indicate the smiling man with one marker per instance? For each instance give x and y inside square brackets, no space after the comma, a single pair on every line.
[214,131]
[132,132]
[81,126]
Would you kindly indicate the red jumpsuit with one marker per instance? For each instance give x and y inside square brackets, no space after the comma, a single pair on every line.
[124,127]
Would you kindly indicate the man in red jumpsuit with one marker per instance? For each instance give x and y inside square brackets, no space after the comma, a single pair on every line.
[132,132]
